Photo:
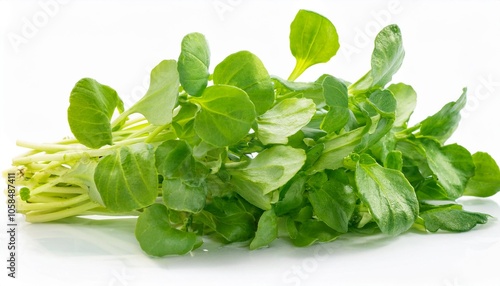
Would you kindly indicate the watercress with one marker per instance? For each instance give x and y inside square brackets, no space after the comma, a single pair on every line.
[238,155]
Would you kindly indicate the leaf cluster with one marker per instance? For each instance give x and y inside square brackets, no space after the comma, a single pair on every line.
[238,155]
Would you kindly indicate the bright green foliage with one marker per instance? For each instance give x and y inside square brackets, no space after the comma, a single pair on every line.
[313,40]
[240,156]
[450,217]
[442,124]
[387,58]
[193,63]
[486,180]
[291,195]
[229,218]
[89,114]
[452,165]
[333,202]
[267,230]
[388,194]
[173,158]
[158,237]
[406,99]
[284,120]
[336,97]
[304,231]
[182,195]
[159,101]
[127,179]
[225,117]
[273,167]
[246,71]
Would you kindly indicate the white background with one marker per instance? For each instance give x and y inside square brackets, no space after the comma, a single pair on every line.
[48,45]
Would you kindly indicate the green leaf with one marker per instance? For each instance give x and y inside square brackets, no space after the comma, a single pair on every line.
[386,60]
[180,195]
[273,167]
[379,129]
[193,63]
[389,196]
[158,103]
[406,99]
[210,156]
[82,174]
[127,179]
[311,231]
[226,115]
[414,156]
[430,189]
[486,180]
[284,119]
[246,71]
[334,204]
[394,160]
[311,90]
[387,55]
[313,154]
[452,165]
[174,158]
[291,196]
[267,230]
[183,123]
[24,193]
[335,119]
[313,40]
[383,102]
[235,227]
[336,149]
[380,102]
[335,93]
[252,192]
[158,238]
[451,218]
[91,106]
[382,149]
[441,125]
[230,218]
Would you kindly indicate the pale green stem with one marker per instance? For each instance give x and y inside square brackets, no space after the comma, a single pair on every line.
[53,205]
[155,132]
[33,167]
[45,198]
[121,117]
[50,147]
[104,212]
[44,187]
[69,156]
[128,142]
[56,190]
[63,156]
[131,122]
[404,133]
[142,131]
[299,68]
[68,141]
[37,216]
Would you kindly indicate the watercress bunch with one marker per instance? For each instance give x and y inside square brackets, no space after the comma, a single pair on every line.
[237,154]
